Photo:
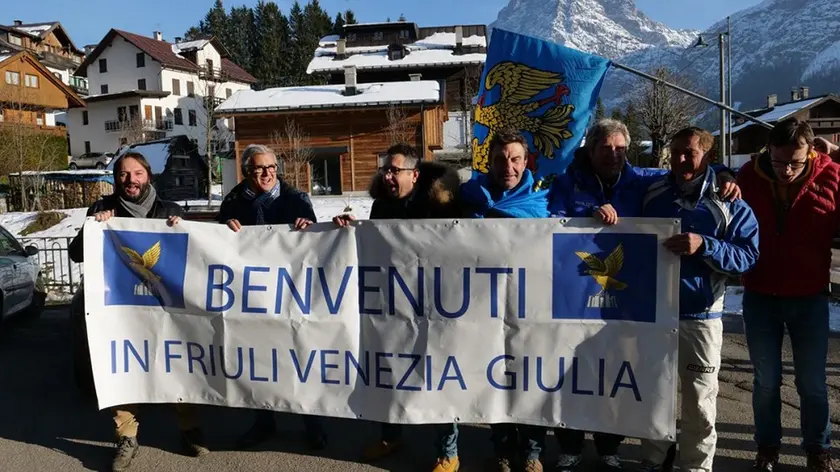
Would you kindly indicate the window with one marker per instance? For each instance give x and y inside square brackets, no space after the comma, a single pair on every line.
[121,114]
[228,93]
[12,78]
[179,118]
[351,37]
[377,36]
[15,40]
[193,121]
[190,89]
[404,34]
[31,81]
[103,89]
[141,84]
[85,118]
[210,65]
[87,147]
[395,54]
[133,112]
[176,87]
[57,76]
[141,59]
[103,65]
[211,91]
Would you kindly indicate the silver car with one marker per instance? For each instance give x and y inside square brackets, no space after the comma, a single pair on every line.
[21,284]
[91,160]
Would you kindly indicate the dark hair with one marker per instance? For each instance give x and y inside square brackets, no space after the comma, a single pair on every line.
[790,132]
[707,141]
[406,150]
[137,157]
[437,192]
[503,137]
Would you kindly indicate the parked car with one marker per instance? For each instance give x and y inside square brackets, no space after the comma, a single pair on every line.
[92,160]
[21,282]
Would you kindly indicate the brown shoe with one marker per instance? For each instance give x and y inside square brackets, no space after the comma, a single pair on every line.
[766,459]
[501,464]
[532,465]
[127,448]
[193,443]
[820,461]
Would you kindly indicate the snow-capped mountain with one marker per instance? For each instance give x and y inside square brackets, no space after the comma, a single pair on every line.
[777,45]
[609,28]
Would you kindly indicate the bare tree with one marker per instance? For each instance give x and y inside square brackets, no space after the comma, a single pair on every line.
[211,132]
[663,111]
[132,131]
[400,129]
[295,154]
[470,87]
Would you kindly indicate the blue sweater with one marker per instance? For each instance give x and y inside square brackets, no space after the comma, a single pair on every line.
[481,200]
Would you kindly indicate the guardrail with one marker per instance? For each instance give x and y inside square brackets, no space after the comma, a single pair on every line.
[60,274]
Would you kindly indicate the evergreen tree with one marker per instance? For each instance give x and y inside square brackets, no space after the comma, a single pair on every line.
[350,18]
[634,126]
[242,36]
[297,57]
[315,23]
[339,23]
[216,23]
[273,40]
[599,110]
[388,20]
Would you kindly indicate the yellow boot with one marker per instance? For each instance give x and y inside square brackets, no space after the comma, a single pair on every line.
[447,464]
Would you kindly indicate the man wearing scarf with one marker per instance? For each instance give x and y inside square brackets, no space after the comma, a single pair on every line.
[264,199]
[719,240]
[135,197]
[508,191]
[794,192]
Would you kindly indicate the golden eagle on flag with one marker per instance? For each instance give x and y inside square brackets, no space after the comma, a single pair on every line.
[542,89]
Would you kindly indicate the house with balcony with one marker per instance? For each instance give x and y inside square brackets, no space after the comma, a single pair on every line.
[401,51]
[146,89]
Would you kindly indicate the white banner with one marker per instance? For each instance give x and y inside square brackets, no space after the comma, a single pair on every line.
[547,322]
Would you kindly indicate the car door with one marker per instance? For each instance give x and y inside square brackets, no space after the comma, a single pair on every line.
[18,293]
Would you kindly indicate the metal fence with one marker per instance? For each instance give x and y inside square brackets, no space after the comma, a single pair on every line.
[60,274]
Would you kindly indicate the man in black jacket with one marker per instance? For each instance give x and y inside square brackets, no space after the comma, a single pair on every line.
[264,199]
[135,197]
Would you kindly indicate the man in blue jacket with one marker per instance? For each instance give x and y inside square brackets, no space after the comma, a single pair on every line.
[719,240]
[508,191]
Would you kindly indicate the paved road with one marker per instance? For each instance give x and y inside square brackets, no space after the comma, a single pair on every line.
[46,426]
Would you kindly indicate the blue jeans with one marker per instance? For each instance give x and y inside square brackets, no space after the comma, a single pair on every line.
[512,440]
[806,318]
[446,437]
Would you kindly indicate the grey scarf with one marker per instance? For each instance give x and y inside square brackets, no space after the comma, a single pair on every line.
[142,207]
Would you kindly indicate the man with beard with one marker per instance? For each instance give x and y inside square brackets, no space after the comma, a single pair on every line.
[135,197]
[508,191]
[719,240]
[406,189]
[264,199]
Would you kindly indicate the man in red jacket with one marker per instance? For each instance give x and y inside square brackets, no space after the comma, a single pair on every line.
[794,192]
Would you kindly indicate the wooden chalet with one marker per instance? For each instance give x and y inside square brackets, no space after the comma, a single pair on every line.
[348,127]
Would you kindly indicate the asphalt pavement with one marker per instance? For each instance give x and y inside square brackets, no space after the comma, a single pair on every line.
[46,425]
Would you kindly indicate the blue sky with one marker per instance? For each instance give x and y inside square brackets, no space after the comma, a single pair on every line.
[87,21]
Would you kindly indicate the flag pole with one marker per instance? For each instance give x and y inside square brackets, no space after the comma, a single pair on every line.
[720,105]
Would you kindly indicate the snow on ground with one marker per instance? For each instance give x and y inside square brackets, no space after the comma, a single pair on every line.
[734,305]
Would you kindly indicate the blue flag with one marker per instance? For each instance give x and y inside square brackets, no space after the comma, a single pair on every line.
[546,91]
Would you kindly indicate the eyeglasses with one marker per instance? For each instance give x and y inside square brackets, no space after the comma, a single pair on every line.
[394,170]
[270,169]
[793,165]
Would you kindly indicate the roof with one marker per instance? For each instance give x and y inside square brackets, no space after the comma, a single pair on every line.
[437,48]
[163,52]
[41,31]
[332,96]
[779,112]
[127,94]
[73,99]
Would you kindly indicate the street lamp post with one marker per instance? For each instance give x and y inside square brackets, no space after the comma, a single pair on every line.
[725,136]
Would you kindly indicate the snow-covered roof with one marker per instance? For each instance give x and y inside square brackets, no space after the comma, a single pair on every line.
[3,57]
[436,49]
[777,113]
[329,39]
[332,96]
[36,30]
[156,153]
[189,45]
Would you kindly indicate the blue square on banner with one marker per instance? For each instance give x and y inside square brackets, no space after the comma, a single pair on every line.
[145,269]
[604,276]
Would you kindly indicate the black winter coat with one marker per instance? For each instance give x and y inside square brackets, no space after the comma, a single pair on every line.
[161,209]
[290,205]
[436,194]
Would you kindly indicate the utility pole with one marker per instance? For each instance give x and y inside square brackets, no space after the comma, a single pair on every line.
[729,79]
[723,134]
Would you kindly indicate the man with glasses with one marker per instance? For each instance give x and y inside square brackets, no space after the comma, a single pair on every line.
[264,199]
[395,183]
[793,190]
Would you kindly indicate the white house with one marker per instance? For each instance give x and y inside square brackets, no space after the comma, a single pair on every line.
[145,88]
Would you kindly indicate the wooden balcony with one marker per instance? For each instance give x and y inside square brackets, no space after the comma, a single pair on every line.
[213,74]
[115,126]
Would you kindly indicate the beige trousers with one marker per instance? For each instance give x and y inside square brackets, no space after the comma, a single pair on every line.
[125,418]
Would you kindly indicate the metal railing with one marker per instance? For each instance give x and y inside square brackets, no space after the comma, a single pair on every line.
[112,126]
[59,273]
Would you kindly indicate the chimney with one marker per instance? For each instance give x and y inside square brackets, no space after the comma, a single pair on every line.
[158,36]
[341,48]
[794,94]
[804,92]
[18,23]
[350,80]
[459,36]
[415,77]
[177,39]
[772,100]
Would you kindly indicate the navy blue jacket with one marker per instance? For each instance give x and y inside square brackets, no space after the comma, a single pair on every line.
[290,205]
[730,241]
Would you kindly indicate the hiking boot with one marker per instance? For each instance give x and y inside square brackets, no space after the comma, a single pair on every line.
[820,461]
[766,459]
[259,433]
[381,449]
[567,462]
[611,463]
[501,464]
[532,465]
[127,448]
[193,443]
[447,464]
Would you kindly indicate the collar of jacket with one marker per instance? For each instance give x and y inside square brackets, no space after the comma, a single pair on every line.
[708,188]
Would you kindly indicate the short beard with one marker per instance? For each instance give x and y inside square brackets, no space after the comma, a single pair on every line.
[144,189]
